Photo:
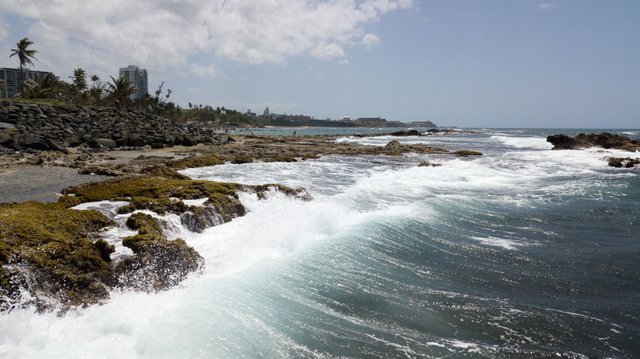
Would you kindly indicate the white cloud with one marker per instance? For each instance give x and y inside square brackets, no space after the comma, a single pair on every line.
[4,30]
[204,71]
[546,6]
[370,40]
[104,35]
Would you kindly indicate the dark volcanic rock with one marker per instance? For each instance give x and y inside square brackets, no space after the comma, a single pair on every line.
[35,142]
[563,142]
[626,162]
[604,140]
[102,143]
[406,133]
[37,126]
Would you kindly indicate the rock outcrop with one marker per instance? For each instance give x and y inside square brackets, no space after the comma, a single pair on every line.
[42,127]
[583,140]
[53,257]
[623,162]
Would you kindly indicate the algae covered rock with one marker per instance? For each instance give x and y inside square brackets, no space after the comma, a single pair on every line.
[466,153]
[48,250]
[197,161]
[56,255]
[163,195]
[157,263]
[242,158]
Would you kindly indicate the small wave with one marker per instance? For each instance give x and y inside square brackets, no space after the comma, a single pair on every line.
[500,242]
[524,142]
[631,133]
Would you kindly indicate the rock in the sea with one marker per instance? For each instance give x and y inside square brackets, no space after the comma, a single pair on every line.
[604,140]
[406,133]
[429,164]
[393,144]
[157,263]
[467,153]
[626,162]
[46,250]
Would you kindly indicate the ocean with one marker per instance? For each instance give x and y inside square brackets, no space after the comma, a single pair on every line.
[523,252]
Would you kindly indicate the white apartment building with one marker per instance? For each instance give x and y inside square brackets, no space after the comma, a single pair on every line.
[138,78]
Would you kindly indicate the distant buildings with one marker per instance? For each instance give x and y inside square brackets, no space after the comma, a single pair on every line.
[138,79]
[10,80]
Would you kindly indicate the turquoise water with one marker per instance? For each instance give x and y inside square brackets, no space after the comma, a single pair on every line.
[523,252]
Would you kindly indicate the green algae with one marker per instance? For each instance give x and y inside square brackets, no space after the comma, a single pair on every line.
[282,158]
[242,158]
[56,244]
[196,161]
[467,153]
[164,171]
[158,263]
[50,249]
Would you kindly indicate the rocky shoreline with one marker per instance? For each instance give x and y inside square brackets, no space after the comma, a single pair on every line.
[43,127]
[56,256]
[605,140]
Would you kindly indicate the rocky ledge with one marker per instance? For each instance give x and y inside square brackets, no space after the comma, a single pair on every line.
[58,256]
[41,127]
[604,140]
[583,140]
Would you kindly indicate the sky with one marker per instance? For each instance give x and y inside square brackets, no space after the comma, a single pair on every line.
[465,63]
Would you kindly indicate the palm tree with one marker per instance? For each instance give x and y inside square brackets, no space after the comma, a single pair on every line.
[120,90]
[78,87]
[79,80]
[48,86]
[24,56]
[97,89]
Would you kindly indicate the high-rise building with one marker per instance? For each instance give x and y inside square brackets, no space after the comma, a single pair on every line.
[138,79]
[10,79]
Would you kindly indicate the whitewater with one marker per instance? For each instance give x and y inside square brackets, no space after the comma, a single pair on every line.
[522,252]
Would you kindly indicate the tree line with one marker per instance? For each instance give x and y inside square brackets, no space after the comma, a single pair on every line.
[83,91]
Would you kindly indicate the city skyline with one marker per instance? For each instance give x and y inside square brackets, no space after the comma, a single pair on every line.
[465,63]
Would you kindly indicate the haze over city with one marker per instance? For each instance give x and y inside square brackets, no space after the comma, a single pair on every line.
[459,63]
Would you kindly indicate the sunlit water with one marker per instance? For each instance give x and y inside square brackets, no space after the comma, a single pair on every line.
[523,252]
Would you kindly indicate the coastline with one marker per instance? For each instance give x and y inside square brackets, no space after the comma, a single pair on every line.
[143,179]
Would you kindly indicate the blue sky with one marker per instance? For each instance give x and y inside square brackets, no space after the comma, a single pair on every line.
[500,63]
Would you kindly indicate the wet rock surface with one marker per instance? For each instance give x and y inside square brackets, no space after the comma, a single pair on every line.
[52,257]
[583,140]
[623,162]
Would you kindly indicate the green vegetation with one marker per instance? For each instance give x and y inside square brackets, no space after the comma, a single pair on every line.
[25,54]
